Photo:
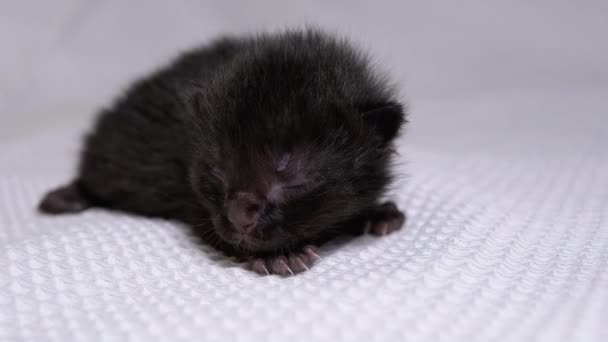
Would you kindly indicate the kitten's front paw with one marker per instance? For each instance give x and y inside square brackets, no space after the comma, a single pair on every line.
[285,265]
[384,219]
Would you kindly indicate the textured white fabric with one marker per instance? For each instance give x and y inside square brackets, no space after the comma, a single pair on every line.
[507,239]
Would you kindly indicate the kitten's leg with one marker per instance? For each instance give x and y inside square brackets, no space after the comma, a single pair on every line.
[285,265]
[66,199]
[384,219]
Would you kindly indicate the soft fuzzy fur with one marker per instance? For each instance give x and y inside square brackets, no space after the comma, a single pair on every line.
[298,119]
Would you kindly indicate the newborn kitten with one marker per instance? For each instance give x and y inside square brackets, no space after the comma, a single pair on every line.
[268,146]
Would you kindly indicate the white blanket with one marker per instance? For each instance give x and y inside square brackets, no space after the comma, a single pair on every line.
[506,239]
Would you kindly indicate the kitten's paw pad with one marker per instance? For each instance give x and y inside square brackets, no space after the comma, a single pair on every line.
[285,265]
[385,219]
[67,199]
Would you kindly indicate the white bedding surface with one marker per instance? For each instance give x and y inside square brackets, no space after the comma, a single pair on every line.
[506,239]
[507,193]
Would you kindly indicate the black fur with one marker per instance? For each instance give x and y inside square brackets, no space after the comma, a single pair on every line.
[220,119]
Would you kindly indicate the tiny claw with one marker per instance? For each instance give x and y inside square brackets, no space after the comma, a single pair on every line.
[311,251]
[303,265]
[259,266]
[368,226]
[384,229]
[284,263]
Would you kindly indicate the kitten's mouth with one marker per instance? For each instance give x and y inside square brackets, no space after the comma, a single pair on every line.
[248,242]
[233,237]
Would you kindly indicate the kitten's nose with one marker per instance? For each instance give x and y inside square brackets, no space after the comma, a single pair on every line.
[244,211]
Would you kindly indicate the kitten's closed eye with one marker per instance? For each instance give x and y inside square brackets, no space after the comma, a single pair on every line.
[283,162]
[295,187]
[281,192]
[292,191]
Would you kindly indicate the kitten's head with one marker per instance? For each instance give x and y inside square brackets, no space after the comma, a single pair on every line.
[291,143]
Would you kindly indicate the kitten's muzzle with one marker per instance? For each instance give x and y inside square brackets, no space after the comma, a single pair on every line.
[243,210]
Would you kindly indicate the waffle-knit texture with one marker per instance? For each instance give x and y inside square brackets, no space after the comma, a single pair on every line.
[506,239]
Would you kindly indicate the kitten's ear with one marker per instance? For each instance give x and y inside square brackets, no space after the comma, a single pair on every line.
[385,118]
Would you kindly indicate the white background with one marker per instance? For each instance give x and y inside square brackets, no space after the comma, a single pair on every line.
[66,58]
[507,194]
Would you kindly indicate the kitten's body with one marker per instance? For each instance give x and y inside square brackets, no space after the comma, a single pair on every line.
[137,156]
[276,142]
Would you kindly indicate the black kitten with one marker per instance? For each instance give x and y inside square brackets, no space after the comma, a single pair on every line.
[267,145]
